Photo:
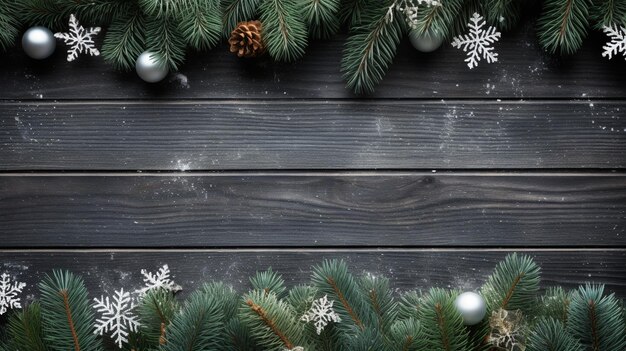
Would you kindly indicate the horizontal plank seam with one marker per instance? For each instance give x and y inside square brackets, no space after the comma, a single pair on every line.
[369,101]
[587,172]
[315,250]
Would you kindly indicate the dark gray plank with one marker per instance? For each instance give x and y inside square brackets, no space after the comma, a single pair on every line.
[523,70]
[223,135]
[322,209]
[407,269]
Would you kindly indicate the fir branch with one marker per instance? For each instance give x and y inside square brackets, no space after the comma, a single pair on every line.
[467,9]
[201,25]
[156,311]
[235,11]
[513,284]
[608,13]
[9,23]
[228,298]
[322,17]
[54,14]
[165,41]
[351,12]
[563,25]
[503,14]
[596,319]
[333,279]
[124,40]
[269,282]
[439,19]
[380,299]
[407,335]
[367,339]
[198,326]
[26,329]
[555,304]
[166,8]
[66,313]
[442,324]
[550,334]
[370,49]
[409,305]
[300,298]
[238,335]
[284,31]
[272,322]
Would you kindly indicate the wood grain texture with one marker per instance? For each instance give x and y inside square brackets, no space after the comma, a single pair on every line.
[523,70]
[407,269]
[370,209]
[373,134]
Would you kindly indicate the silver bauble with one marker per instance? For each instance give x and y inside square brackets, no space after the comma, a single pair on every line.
[472,307]
[425,42]
[149,69]
[38,42]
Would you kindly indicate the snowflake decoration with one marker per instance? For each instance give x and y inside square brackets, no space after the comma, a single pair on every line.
[408,8]
[9,293]
[158,280]
[79,39]
[478,42]
[297,348]
[321,313]
[117,317]
[617,43]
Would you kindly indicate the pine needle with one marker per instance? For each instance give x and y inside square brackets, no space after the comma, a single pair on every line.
[563,25]
[284,31]
[124,40]
[370,49]
[322,17]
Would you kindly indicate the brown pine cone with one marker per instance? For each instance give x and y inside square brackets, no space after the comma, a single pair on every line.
[246,39]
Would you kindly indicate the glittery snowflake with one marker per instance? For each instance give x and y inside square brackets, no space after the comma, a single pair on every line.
[478,42]
[617,43]
[321,313]
[9,293]
[79,39]
[158,280]
[297,348]
[117,317]
[408,9]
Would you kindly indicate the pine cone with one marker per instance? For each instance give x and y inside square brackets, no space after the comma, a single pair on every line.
[246,39]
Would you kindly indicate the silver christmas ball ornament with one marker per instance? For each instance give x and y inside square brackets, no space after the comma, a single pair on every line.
[472,307]
[149,69]
[425,42]
[38,42]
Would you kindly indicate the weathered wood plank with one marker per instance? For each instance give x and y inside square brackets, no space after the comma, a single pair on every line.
[322,209]
[523,70]
[407,269]
[223,135]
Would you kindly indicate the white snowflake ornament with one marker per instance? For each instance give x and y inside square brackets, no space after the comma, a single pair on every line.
[158,280]
[478,42]
[321,313]
[9,293]
[117,317]
[79,39]
[618,41]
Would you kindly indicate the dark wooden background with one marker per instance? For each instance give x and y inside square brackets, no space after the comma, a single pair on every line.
[232,166]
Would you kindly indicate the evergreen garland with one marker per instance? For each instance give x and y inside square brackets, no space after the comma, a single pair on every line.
[563,25]
[67,316]
[371,47]
[269,316]
[167,28]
